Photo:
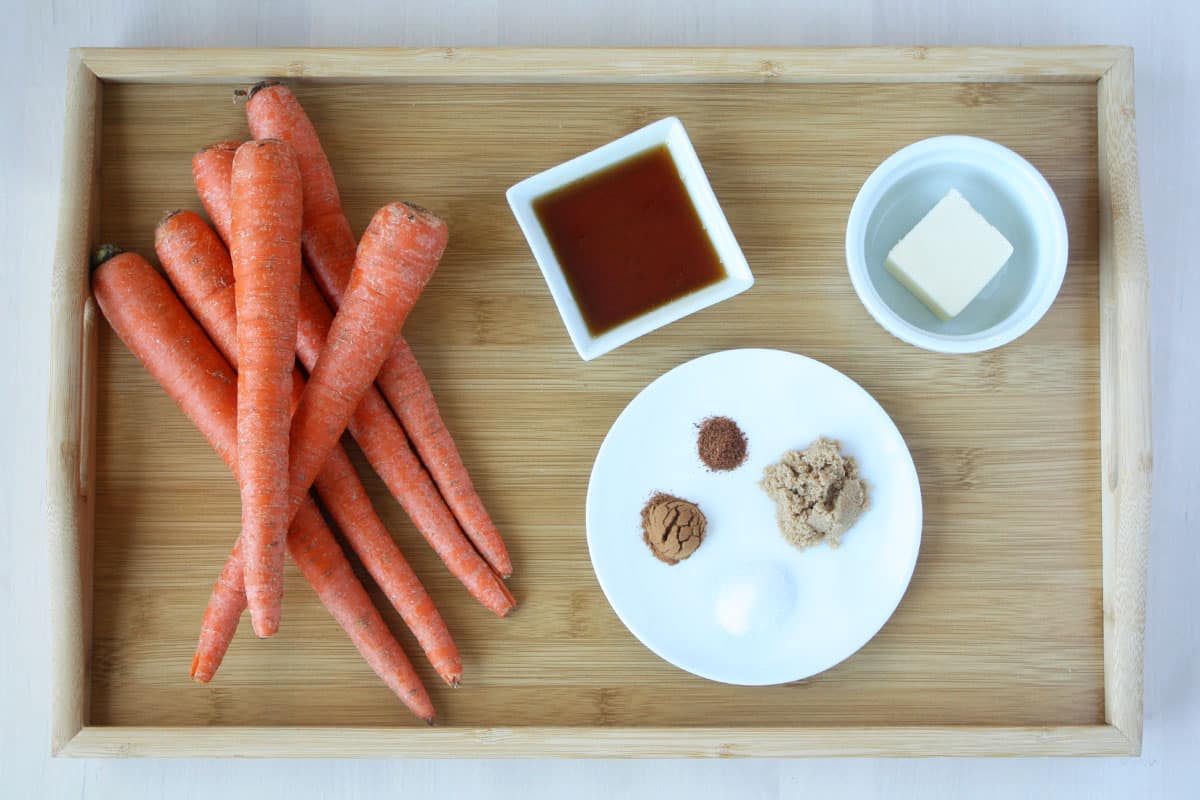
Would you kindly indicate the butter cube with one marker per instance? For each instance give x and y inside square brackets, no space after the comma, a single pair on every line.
[949,256]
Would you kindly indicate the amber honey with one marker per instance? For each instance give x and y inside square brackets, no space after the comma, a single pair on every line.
[629,239]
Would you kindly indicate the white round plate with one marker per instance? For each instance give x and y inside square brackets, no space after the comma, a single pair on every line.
[747,607]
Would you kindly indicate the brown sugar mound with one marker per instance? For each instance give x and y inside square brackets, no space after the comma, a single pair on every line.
[817,492]
[672,527]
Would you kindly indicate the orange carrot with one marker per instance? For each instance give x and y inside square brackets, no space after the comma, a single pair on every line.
[315,551]
[408,392]
[212,170]
[221,615]
[199,267]
[396,257]
[382,440]
[266,216]
[328,244]
[149,318]
[321,559]
[367,535]
[273,112]
[204,281]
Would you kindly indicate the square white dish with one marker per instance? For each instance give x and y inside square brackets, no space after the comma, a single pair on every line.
[669,132]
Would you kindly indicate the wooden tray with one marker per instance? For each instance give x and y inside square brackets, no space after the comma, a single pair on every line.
[1022,630]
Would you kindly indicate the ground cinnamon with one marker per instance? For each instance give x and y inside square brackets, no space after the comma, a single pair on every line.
[721,444]
[672,527]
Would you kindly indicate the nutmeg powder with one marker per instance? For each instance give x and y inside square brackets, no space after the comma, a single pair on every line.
[721,444]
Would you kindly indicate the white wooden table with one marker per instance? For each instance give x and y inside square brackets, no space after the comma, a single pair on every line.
[36,36]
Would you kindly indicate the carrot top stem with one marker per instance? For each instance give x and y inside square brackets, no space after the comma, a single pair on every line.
[260,86]
[105,252]
[229,146]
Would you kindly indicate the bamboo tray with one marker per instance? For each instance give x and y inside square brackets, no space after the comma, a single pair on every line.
[1022,630]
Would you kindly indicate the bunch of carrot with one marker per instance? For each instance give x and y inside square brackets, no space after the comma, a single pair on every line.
[230,365]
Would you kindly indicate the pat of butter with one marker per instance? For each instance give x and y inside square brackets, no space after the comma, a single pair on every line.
[949,256]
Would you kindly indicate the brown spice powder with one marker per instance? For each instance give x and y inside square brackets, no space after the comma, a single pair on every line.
[672,527]
[721,444]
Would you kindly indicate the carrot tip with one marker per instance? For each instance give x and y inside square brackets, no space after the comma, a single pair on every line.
[195,674]
[264,629]
[168,214]
[508,595]
[105,252]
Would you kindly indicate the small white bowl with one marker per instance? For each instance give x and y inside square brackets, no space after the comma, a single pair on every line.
[1008,191]
[667,131]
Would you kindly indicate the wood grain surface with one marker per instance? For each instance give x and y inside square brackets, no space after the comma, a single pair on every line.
[612,64]
[1002,624]
[563,742]
[70,495]
[1126,454]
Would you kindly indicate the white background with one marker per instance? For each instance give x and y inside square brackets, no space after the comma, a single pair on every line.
[35,38]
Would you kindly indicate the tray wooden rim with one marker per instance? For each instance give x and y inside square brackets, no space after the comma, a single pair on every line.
[1125,455]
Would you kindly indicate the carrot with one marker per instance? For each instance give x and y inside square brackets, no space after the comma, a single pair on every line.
[199,268]
[382,440]
[198,265]
[149,318]
[351,509]
[273,112]
[221,616]
[396,257]
[203,277]
[328,244]
[410,396]
[385,445]
[265,227]
[212,170]
[408,391]
[322,562]
[316,552]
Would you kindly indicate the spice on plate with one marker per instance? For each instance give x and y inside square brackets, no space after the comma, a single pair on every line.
[672,527]
[817,492]
[721,444]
